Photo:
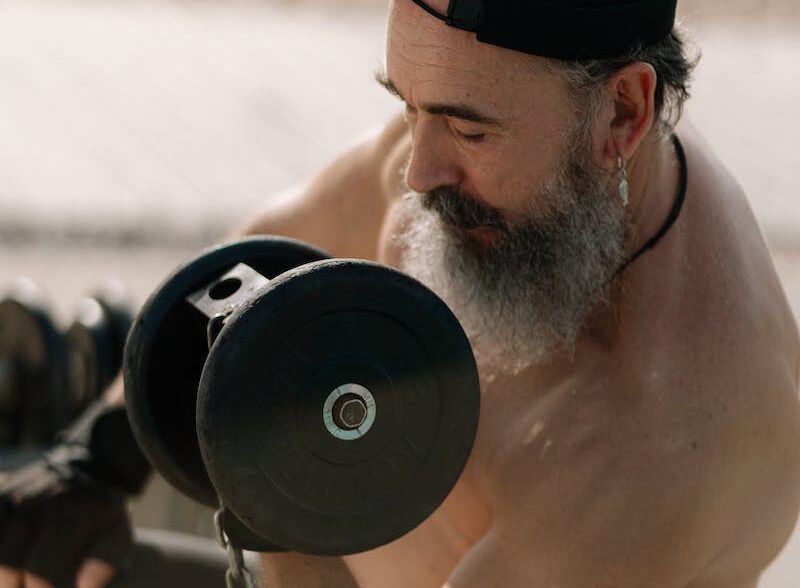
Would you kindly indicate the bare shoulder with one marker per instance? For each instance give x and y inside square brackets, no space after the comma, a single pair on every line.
[729,303]
[741,342]
[342,209]
[669,452]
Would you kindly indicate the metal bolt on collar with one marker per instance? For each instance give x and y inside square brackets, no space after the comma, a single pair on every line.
[349,412]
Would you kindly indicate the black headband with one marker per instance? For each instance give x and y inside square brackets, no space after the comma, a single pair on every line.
[563,29]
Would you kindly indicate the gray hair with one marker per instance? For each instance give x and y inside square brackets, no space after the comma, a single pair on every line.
[670,60]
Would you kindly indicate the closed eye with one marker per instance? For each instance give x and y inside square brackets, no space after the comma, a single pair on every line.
[470,137]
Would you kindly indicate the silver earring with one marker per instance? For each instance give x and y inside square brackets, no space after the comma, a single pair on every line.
[624,188]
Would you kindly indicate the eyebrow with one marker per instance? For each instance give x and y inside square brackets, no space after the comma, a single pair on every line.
[459,111]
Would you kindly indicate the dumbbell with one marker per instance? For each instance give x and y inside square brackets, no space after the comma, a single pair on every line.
[32,367]
[47,380]
[328,405]
[94,343]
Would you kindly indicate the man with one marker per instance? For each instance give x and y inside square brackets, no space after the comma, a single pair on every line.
[639,363]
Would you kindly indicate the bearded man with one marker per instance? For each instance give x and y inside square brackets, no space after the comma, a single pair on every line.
[639,362]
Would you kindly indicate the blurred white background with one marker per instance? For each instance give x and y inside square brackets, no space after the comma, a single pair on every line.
[165,121]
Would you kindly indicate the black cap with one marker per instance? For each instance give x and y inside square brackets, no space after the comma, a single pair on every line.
[566,29]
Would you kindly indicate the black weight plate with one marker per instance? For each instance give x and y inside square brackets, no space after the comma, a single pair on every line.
[32,368]
[114,299]
[95,343]
[167,347]
[267,447]
[90,352]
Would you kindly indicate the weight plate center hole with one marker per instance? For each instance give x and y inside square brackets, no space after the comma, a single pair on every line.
[224,289]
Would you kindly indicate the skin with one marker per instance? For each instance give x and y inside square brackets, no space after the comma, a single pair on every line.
[664,452]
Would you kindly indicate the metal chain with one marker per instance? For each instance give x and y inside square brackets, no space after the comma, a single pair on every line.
[237,575]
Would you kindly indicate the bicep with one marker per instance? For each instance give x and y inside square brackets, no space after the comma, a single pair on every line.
[506,559]
[341,210]
[509,560]
[580,526]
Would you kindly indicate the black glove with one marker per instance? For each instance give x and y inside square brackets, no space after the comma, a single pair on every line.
[70,503]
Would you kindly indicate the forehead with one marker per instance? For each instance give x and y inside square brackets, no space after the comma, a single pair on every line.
[427,59]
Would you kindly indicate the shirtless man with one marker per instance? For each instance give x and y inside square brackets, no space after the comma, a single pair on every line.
[639,362]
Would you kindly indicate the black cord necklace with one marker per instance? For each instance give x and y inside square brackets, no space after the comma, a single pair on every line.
[677,206]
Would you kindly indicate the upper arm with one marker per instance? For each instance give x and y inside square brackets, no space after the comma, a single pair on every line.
[342,209]
[580,511]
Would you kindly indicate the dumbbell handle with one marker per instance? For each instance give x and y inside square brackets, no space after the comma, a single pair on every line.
[219,299]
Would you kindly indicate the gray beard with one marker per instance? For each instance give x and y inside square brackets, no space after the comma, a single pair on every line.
[527,295]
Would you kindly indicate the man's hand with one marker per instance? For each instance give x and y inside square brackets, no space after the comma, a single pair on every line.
[63,517]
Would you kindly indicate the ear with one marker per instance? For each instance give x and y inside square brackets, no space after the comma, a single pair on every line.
[632,90]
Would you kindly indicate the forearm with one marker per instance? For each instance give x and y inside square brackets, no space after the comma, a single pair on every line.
[296,570]
[115,393]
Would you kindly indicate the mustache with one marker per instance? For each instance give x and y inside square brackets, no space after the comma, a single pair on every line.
[461,210]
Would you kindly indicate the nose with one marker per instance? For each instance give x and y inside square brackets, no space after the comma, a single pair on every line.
[432,163]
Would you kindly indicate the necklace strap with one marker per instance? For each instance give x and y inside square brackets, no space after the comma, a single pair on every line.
[677,206]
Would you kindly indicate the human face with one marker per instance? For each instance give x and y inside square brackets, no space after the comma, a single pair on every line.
[526,295]
[522,255]
[491,122]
